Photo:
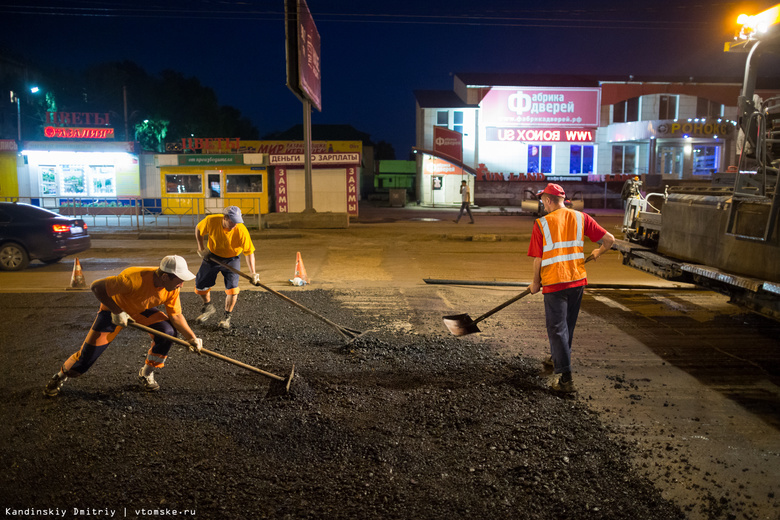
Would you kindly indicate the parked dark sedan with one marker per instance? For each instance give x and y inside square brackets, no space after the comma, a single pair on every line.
[29,232]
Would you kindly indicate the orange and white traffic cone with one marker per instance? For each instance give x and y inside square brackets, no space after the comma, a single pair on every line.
[77,280]
[300,277]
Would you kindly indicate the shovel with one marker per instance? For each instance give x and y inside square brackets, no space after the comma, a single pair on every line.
[279,385]
[349,334]
[462,324]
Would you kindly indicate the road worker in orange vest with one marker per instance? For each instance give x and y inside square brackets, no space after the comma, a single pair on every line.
[558,250]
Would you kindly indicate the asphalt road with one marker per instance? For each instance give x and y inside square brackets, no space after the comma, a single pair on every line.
[690,378]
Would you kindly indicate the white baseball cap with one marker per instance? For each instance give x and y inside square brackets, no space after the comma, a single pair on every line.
[177,266]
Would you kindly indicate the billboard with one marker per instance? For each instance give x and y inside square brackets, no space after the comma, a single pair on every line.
[541,106]
[448,142]
[302,41]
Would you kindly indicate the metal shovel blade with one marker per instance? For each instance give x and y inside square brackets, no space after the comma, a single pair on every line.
[460,324]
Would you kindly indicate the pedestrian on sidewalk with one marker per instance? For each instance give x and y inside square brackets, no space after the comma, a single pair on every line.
[228,237]
[557,247]
[465,198]
[134,294]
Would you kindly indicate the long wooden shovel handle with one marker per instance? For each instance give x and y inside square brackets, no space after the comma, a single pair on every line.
[346,333]
[513,300]
[505,304]
[204,350]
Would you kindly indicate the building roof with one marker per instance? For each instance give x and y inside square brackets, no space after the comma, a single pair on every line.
[321,133]
[397,166]
[440,99]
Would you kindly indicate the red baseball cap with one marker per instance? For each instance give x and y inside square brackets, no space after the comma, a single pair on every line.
[554,189]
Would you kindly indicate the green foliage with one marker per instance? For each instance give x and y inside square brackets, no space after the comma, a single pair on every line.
[151,134]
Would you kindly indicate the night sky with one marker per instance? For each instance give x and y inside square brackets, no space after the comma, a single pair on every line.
[375,54]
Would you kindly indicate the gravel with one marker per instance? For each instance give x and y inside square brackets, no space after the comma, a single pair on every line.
[399,424]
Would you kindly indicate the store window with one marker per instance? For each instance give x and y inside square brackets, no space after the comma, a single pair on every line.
[457,121]
[184,183]
[667,107]
[102,181]
[49,180]
[581,159]
[624,157]
[74,180]
[442,118]
[669,161]
[244,183]
[625,111]
[539,159]
[706,159]
[706,108]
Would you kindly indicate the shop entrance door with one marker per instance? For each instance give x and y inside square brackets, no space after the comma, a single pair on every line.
[213,202]
[670,160]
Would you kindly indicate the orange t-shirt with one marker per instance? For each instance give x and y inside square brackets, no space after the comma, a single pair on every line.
[224,243]
[134,291]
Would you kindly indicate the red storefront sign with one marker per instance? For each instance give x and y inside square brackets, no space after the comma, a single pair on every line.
[280,176]
[448,142]
[534,106]
[544,135]
[78,133]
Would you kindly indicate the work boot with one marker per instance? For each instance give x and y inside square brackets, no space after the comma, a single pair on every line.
[225,323]
[54,385]
[548,363]
[147,382]
[206,312]
[564,387]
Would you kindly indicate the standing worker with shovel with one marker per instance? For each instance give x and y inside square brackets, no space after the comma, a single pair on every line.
[557,248]
[133,296]
[228,237]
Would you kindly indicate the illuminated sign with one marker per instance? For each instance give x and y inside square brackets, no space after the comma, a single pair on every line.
[317,158]
[7,145]
[448,142]
[209,160]
[540,135]
[219,144]
[78,118]
[535,106]
[78,133]
[694,129]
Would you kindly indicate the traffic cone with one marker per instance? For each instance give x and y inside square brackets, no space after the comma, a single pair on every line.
[300,277]
[77,279]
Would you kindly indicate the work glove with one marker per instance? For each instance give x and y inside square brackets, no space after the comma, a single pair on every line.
[205,254]
[255,279]
[120,319]
[196,345]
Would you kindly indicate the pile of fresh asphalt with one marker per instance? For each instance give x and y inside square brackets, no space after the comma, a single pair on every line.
[397,425]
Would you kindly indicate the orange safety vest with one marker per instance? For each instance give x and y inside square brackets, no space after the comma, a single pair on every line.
[563,256]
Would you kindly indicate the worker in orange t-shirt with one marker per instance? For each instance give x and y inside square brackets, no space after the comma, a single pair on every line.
[228,237]
[133,295]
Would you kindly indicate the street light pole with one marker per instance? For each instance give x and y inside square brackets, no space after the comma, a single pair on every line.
[18,120]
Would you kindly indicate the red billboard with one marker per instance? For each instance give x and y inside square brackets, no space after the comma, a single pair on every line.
[303,53]
[448,143]
[535,106]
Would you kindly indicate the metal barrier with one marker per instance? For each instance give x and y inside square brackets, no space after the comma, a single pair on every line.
[136,213]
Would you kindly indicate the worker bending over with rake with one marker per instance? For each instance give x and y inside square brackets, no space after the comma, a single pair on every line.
[557,248]
[133,295]
[228,237]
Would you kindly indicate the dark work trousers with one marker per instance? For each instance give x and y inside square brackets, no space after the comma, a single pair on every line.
[465,206]
[560,310]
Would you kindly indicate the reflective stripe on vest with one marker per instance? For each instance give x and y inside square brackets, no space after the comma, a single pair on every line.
[549,245]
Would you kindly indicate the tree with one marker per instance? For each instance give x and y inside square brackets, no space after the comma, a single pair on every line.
[384,151]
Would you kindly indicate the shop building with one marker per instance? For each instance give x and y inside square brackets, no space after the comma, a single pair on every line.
[576,130]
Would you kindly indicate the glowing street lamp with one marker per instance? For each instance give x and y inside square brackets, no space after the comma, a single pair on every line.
[33,90]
